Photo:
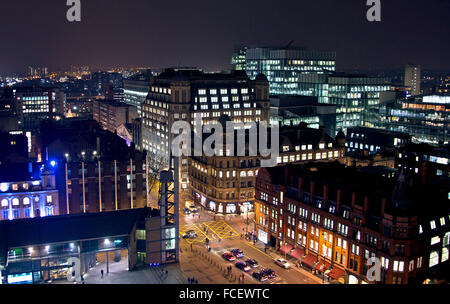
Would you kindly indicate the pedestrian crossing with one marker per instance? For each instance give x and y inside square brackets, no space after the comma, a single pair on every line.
[211,230]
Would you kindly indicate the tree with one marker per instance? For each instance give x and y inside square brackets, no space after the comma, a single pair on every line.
[156,163]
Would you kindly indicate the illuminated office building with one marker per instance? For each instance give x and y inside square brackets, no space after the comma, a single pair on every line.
[35,104]
[135,90]
[292,110]
[351,93]
[425,118]
[238,60]
[196,97]
[283,66]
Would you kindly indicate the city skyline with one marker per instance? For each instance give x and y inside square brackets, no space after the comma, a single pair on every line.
[204,34]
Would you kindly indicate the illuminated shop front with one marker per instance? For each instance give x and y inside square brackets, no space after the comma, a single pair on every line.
[222,208]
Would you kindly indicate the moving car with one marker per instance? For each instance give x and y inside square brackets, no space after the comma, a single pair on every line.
[186,211]
[193,210]
[260,276]
[229,256]
[252,263]
[269,273]
[282,263]
[242,266]
[237,253]
[190,234]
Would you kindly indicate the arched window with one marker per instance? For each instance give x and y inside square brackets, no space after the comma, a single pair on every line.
[26,201]
[5,202]
[15,202]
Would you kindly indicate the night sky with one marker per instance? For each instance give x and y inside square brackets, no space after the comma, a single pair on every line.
[203,33]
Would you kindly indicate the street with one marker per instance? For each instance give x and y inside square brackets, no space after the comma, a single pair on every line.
[225,233]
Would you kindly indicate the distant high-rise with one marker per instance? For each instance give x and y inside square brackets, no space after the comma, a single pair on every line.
[238,60]
[412,78]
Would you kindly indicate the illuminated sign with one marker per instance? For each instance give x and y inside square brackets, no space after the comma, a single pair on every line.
[20,278]
[262,236]
[4,187]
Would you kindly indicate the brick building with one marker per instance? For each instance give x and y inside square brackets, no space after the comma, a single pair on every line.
[332,219]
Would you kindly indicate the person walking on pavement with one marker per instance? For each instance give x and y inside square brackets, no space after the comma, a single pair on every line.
[101,271]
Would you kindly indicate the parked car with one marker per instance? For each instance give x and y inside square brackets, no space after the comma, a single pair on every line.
[237,253]
[229,256]
[269,273]
[252,263]
[190,234]
[283,263]
[242,266]
[260,276]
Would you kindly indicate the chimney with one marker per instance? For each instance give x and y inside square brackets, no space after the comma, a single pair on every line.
[313,189]
[287,175]
[338,199]
[300,187]
[366,204]
[325,193]
[353,199]
[383,206]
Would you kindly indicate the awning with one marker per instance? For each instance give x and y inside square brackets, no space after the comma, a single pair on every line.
[286,248]
[322,266]
[309,260]
[297,253]
[336,273]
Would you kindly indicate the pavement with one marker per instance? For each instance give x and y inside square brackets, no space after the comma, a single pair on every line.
[119,274]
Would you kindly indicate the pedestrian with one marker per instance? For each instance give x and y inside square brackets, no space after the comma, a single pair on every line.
[167,272]
[101,271]
[196,282]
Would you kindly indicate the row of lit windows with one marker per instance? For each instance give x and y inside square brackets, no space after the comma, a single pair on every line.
[309,156]
[25,201]
[222,91]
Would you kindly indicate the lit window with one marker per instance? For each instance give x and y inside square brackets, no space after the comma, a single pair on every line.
[5,203]
[15,202]
[433,224]
[434,259]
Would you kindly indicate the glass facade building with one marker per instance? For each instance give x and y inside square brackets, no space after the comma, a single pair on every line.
[135,92]
[425,118]
[283,66]
[351,93]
